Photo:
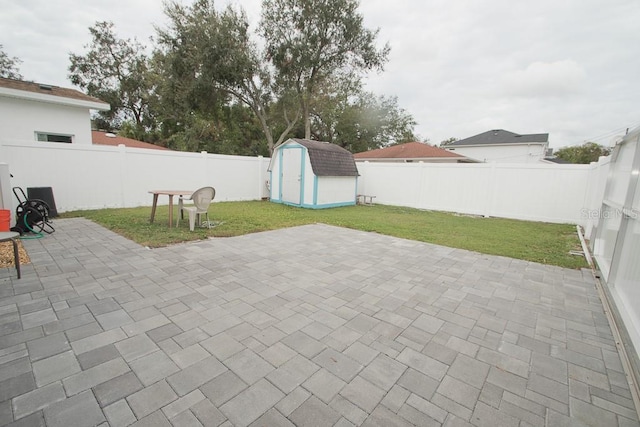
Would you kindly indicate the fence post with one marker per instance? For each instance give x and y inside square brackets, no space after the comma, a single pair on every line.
[204,169]
[491,190]
[122,158]
[362,179]
[5,189]
[261,177]
[420,196]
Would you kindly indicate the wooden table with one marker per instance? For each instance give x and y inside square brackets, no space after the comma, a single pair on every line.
[169,193]
[5,236]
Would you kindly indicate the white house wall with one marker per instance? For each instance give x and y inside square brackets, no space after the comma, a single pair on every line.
[413,160]
[503,154]
[336,190]
[20,119]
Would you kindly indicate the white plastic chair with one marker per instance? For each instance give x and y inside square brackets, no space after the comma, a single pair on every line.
[202,198]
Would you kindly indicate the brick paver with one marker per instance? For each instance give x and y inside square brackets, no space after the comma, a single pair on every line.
[313,325]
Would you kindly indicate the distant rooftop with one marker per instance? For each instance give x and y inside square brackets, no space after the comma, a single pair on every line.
[409,150]
[557,160]
[106,138]
[501,136]
[9,86]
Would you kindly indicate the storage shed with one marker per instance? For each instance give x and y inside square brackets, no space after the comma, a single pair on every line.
[312,174]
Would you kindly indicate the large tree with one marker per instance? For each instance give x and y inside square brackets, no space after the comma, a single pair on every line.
[9,66]
[205,53]
[314,42]
[116,71]
[584,154]
[448,141]
[209,85]
[363,121]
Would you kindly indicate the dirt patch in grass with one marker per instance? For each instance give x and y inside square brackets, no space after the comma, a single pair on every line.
[6,254]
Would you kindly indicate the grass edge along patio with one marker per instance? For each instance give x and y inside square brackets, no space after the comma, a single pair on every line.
[540,242]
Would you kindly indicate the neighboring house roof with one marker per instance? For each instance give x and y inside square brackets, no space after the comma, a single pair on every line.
[106,138]
[329,159]
[501,136]
[557,160]
[409,150]
[48,93]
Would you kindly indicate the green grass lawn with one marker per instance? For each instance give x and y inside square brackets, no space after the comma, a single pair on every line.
[532,241]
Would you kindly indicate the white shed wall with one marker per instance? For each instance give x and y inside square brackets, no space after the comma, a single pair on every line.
[336,189]
[274,179]
[21,118]
[308,182]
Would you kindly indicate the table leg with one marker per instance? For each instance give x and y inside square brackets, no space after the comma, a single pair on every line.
[170,210]
[16,256]
[153,207]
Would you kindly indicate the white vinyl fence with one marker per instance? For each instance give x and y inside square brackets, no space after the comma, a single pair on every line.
[537,192]
[95,176]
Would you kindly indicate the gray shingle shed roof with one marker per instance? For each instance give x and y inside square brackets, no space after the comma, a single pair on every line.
[501,136]
[329,159]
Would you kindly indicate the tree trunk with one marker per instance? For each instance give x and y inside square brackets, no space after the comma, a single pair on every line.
[307,121]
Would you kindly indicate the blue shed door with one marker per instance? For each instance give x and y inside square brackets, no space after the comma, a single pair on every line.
[291,175]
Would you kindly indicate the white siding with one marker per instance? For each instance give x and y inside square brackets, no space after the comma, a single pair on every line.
[336,189]
[20,119]
[523,153]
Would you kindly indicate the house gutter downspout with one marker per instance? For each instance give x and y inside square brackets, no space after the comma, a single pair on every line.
[622,350]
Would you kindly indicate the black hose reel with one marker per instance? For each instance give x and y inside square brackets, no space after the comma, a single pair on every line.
[32,215]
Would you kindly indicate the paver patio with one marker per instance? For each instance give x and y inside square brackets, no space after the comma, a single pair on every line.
[308,326]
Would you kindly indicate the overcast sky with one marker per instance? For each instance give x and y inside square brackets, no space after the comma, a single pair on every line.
[570,68]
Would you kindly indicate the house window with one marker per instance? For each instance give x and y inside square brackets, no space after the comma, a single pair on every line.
[54,137]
